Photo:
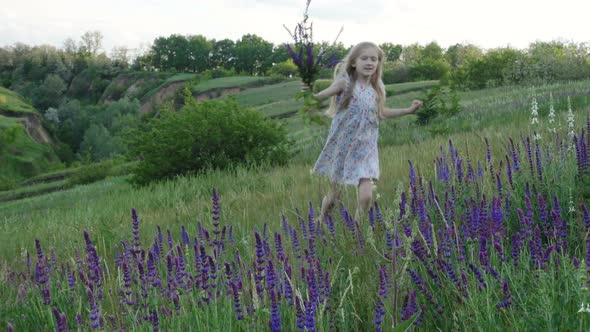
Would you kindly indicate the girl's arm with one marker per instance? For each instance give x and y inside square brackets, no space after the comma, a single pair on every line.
[389,113]
[335,88]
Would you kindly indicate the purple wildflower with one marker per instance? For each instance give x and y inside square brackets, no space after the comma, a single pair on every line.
[379,313]
[409,307]
[275,316]
[61,321]
[507,296]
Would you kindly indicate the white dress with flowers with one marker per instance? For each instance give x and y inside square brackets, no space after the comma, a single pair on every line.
[350,152]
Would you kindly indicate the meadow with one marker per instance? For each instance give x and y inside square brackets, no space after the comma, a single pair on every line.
[476,226]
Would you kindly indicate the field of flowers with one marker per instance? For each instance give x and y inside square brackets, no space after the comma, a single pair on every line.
[487,234]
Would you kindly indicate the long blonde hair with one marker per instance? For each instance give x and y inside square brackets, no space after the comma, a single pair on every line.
[345,66]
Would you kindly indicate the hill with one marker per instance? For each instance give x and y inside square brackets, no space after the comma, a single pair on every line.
[25,146]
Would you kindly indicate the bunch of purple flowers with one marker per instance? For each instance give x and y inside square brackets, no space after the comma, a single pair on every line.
[303,54]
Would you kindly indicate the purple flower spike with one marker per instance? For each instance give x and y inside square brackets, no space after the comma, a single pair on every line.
[135,225]
[275,316]
[379,313]
[61,321]
[507,296]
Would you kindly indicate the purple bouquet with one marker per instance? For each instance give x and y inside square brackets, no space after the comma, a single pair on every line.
[303,53]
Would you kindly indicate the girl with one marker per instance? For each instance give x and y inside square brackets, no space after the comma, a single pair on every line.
[350,156]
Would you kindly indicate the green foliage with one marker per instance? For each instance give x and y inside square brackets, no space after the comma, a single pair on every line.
[321,84]
[286,68]
[395,72]
[438,101]
[91,173]
[253,55]
[50,93]
[209,135]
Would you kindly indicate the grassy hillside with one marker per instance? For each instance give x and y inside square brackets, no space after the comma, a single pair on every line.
[20,155]
[12,102]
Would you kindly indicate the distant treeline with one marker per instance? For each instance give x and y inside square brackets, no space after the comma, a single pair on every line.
[26,69]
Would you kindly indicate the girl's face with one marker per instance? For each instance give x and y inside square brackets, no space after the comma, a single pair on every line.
[367,62]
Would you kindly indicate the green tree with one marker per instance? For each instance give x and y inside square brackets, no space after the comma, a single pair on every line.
[199,50]
[252,55]
[50,93]
[223,54]
[392,51]
[99,144]
[91,42]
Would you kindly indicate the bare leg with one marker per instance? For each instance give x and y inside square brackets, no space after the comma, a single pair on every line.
[365,196]
[335,194]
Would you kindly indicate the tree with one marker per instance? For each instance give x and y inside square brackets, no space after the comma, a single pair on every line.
[252,54]
[392,52]
[199,51]
[223,54]
[70,46]
[457,55]
[91,42]
[432,52]
[411,54]
[178,50]
[120,56]
[50,93]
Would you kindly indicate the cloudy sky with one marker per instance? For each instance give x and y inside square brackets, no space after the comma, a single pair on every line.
[136,23]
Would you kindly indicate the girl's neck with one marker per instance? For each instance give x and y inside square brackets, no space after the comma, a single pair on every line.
[363,80]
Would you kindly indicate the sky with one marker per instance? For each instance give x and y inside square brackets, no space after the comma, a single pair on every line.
[136,23]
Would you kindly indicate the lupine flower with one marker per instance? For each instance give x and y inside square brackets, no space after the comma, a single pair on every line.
[586,216]
[516,245]
[61,321]
[409,307]
[310,322]
[507,296]
[300,322]
[275,316]
[379,313]
[135,225]
[482,283]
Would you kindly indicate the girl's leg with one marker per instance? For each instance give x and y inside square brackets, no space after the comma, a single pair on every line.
[333,195]
[365,195]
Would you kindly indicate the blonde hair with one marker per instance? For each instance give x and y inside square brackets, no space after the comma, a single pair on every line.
[346,66]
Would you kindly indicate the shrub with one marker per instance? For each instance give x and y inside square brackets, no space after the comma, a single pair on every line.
[395,72]
[438,101]
[214,134]
[91,173]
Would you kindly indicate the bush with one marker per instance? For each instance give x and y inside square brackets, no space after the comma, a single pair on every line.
[395,72]
[214,134]
[91,173]
[438,101]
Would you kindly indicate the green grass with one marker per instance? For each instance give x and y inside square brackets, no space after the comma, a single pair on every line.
[12,102]
[33,190]
[399,88]
[225,82]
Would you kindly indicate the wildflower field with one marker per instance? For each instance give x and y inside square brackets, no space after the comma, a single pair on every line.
[481,223]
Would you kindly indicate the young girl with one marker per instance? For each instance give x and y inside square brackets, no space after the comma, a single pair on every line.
[350,155]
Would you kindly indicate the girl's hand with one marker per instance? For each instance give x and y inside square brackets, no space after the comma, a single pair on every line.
[416,105]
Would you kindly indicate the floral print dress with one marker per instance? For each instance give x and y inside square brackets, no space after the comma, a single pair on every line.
[350,152]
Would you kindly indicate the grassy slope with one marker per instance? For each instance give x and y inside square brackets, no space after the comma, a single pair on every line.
[24,157]
[12,102]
